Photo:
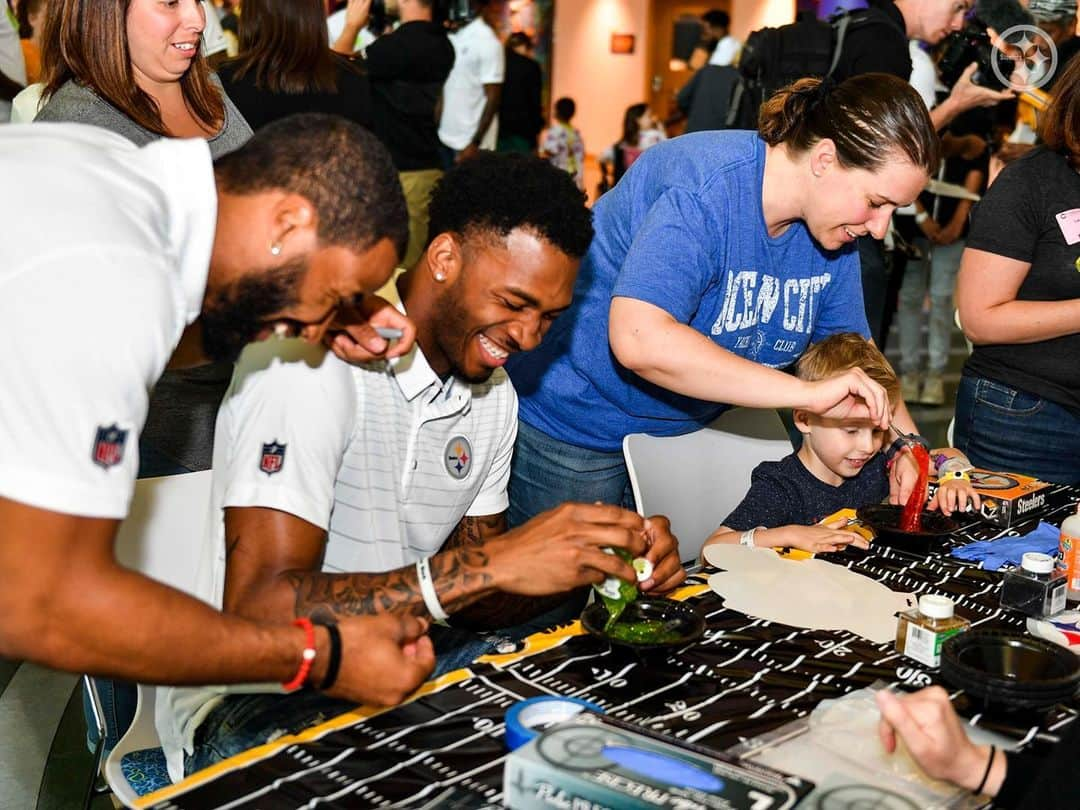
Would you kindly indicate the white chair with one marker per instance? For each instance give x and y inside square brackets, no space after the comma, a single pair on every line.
[161,538]
[697,479]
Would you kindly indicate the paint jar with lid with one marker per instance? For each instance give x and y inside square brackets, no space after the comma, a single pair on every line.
[923,630]
[1036,588]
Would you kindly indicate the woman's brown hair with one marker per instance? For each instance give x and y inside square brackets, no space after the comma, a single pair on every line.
[284,45]
[868,117]
[1060,125]
[85,41]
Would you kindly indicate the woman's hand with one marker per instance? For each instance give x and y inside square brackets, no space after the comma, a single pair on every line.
[851,395]
[930,729]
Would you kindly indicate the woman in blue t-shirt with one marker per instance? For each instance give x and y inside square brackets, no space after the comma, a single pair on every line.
[717,259]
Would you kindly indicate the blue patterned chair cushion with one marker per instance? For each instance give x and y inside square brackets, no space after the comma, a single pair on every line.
[145,770]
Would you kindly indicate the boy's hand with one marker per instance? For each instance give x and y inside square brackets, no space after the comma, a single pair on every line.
[953,495]
[903,476]
[816,539]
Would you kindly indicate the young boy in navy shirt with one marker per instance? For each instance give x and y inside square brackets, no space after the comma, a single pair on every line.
[840,465]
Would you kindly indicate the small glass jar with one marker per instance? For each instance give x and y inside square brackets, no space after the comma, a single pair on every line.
[922,630]
[1036,588]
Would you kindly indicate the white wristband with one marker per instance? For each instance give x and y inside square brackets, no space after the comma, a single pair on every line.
[747,537]
[921,217]
[427,590]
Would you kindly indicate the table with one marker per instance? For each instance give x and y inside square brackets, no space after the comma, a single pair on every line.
[744,678]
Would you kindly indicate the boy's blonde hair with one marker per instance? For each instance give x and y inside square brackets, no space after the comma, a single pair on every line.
[846,350]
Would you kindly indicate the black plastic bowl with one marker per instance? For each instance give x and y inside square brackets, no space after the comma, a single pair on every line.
[884,519]
[679,619]
[1010,671]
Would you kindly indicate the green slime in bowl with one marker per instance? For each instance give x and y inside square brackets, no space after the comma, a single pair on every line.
[647,631]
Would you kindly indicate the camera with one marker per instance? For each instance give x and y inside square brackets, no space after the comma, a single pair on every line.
[973,44]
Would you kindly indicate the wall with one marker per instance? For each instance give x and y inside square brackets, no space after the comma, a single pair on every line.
[602,83]
[749,15]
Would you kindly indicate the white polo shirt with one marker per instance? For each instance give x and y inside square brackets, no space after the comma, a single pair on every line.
[411,455]
[102,265]
[479,59]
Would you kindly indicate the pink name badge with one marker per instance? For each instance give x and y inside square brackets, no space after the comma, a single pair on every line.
[1069,222]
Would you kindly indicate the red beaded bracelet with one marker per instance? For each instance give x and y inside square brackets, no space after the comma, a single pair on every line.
[308,656]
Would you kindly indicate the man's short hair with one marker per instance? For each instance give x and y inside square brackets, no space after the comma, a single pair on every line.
[717,18]
[565,108]
[493,194]
[847,350]
[338,166]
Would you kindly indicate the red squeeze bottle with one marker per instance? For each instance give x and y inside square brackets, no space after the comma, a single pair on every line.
[912,515]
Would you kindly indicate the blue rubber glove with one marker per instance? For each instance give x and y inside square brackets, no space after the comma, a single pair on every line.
[995,554]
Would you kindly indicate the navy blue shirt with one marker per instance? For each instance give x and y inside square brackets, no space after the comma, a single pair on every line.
[785,493]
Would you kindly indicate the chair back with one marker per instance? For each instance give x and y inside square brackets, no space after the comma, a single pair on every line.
[161,538]
[697,479]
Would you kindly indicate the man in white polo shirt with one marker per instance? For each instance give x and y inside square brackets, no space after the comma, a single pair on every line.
[473,90]
[116,261]
[324,470]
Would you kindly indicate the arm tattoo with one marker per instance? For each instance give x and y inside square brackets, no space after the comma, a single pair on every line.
[460,571]
[498,609]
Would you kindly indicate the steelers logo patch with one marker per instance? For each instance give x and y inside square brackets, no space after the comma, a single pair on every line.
[458,457]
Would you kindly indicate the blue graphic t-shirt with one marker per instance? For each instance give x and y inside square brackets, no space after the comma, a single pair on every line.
[684,230]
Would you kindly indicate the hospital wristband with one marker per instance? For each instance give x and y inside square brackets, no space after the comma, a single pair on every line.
[307,657]
[427,590]
[747,537]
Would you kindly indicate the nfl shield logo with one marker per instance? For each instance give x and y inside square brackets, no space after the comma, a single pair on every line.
[273,457]
[109,446]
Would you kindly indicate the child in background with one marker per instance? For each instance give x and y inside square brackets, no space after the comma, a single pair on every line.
[840,465]
[641,130]
[561,143]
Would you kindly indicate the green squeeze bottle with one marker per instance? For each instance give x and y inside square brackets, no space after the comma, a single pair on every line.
[618,594]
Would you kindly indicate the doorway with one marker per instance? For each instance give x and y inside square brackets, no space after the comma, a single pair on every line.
[675,27]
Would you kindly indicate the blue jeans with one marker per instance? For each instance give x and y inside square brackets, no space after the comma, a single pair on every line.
[241,722]
[942,266]
[118,702]
[1007,429]
[547,472]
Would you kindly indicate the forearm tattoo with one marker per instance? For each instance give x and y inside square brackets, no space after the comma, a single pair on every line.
[461,572]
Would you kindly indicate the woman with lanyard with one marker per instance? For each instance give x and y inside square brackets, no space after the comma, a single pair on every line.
[717,260]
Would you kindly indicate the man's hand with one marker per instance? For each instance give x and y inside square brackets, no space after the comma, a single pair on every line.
[357,13]
[948,234]
[663,553]
[384,658]
[562,549]
[353,338]
[851,395]
[967,95]
[930,729]
[469,152]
